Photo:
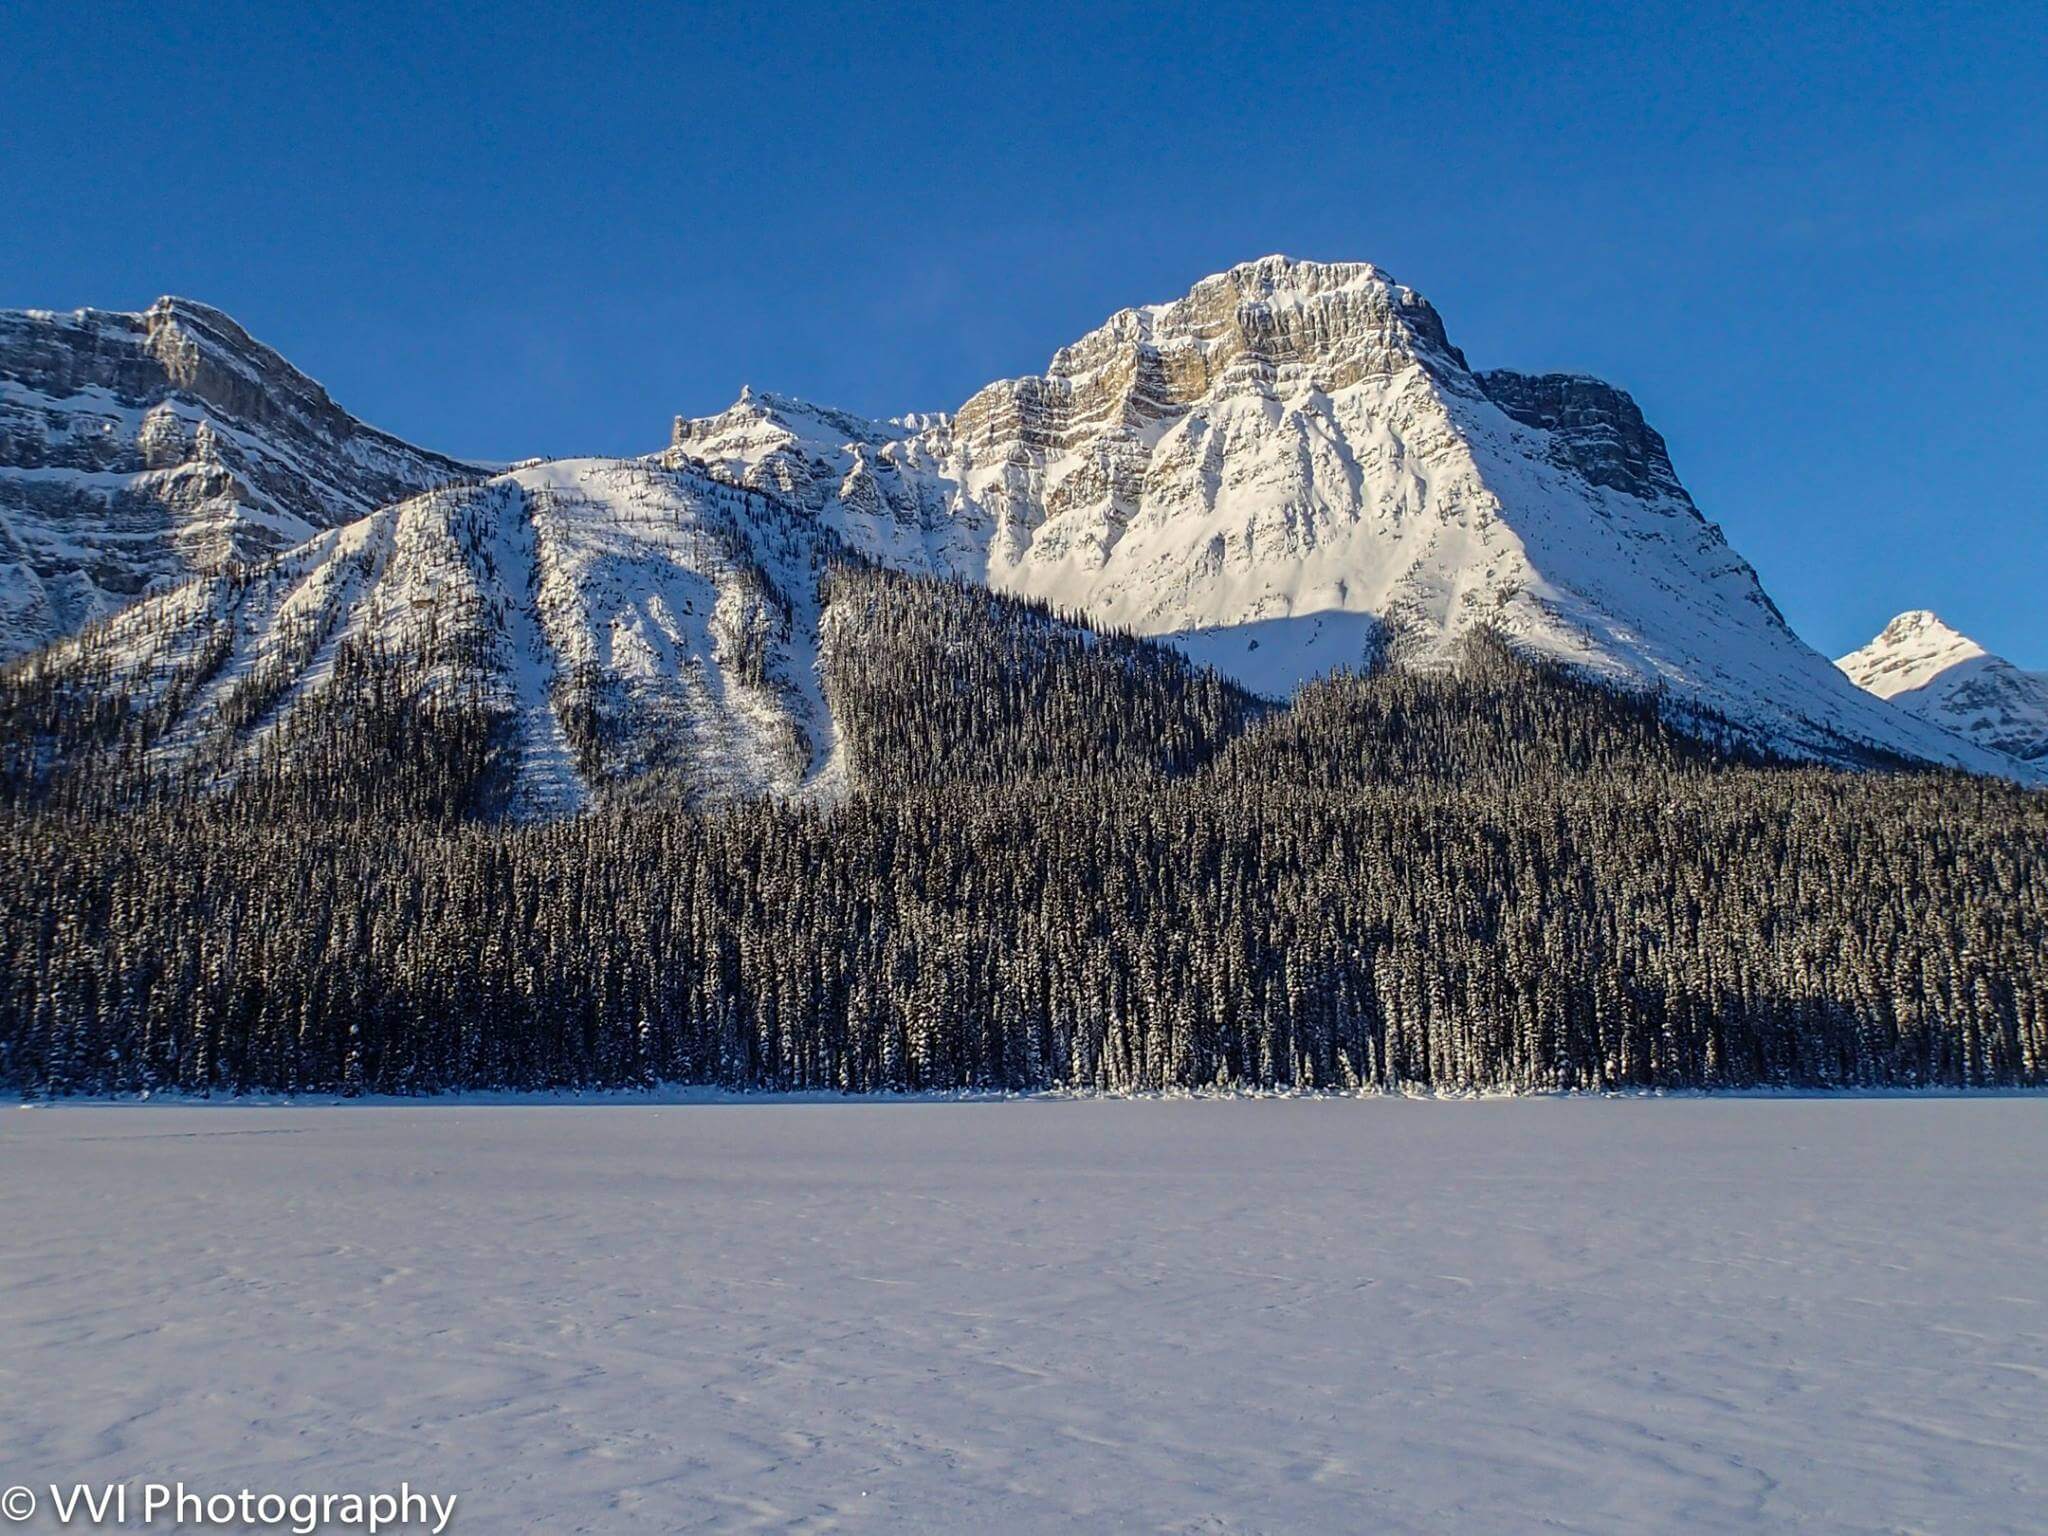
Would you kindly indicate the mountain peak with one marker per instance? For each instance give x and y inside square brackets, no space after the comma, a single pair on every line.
[1280,271]
[1920,625]
[1934,671]
[174,303]
[1290,461]
[760,415]
[1317,320]
[136,448]
[1909,652]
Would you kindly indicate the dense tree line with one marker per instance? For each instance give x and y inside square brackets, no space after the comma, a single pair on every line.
[949,683]
[1497,876]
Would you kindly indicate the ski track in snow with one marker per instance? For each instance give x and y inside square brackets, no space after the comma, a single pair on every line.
[1688,1315]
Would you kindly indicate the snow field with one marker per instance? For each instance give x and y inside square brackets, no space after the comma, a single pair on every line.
[1693,1315]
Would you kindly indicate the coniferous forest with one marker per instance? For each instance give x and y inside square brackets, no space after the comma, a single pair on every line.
[1070,859]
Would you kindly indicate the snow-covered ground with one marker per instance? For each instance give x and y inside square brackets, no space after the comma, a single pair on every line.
[1577,1315]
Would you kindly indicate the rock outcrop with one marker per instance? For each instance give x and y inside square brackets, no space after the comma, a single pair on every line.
[136,449]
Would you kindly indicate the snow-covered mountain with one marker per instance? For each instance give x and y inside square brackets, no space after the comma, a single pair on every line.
[1943,676]
[629,624]
[1291,466]
[1289,470]
[137,449]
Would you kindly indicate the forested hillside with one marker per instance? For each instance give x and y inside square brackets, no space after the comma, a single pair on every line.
[1066,859]
[941,683]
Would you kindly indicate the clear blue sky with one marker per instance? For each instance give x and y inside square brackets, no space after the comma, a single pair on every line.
[1811,239]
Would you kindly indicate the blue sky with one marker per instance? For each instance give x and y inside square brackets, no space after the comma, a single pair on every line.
[1811,240]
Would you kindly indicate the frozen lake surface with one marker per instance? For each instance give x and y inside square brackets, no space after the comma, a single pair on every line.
[1608,1316]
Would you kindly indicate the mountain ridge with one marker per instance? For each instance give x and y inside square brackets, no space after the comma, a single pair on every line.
[1288,471]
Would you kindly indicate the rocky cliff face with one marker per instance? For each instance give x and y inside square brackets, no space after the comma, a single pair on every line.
[1291,468]
[1944,677]
[1597,431]
[136,449]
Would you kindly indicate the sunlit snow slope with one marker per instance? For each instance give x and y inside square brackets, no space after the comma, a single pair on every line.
[676,614]
[1944,677]
[1292,467]
[137,449]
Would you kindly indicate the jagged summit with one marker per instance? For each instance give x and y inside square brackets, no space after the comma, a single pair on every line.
[1924,624]
[1910,652]
[786,414]
[1232,310]
[138,448]
[1276,325]
[1936,672]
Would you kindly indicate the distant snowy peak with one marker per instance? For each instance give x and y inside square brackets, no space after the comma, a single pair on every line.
[1292,466]
[776,442]
[1913,650]
[139,448]
[1941,675]
[784,420]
